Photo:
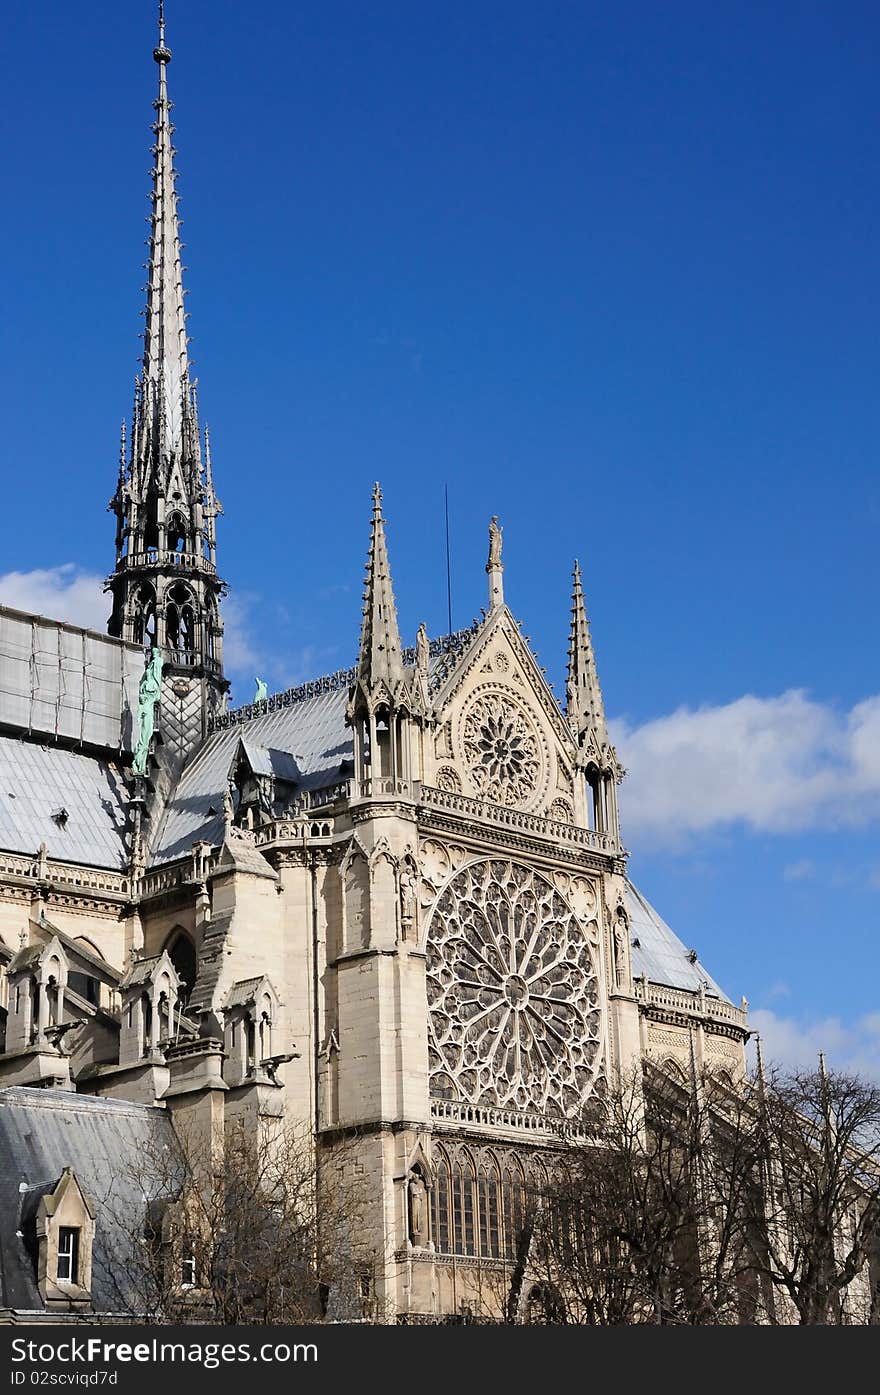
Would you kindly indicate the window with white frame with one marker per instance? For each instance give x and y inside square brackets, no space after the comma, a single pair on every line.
[68,1254]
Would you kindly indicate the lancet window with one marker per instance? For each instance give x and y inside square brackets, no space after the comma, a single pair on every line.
[480,1202]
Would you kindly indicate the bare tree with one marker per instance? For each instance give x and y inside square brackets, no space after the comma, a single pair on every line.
[269,1231]
[705,1203]
[644,1221]
[817,1210]
[634,1226]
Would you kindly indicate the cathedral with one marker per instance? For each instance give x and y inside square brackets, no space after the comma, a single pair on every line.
[391,904]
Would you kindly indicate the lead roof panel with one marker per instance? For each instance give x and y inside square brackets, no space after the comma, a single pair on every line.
[112,1147]
[37,782]
[659,954]
[314,729]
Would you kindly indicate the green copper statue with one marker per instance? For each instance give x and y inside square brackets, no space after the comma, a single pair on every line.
[262,693]
[148,695]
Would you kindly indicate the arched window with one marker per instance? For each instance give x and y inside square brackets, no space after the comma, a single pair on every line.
[514,1195]
[595,799]
[464,1203]
[442,1204]
[211,629]
[144,617]
[489,1197]
[479,1207]
[182,953]
[177,533]
[180,623]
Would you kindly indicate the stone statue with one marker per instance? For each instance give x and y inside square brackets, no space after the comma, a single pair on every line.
[148,695]
[407,898]
[229,803]
[494,543]
[619,951]
[418,1210]
[262,693]
[423,651]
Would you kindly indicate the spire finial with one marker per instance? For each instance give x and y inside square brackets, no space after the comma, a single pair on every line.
[162,54]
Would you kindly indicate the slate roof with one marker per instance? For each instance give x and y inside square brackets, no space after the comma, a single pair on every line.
[106,1142]
[36,781]
[659,954]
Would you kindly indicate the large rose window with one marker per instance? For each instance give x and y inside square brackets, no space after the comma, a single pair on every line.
[512,993]
[502,750]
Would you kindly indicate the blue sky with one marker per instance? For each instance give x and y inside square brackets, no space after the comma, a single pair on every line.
[609,272]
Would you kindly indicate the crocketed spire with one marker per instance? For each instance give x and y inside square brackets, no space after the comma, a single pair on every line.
[379,660]
[586,710]
[166,591]
[166,363]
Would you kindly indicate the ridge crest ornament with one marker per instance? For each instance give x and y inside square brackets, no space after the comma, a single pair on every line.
[501,750]
[513,997]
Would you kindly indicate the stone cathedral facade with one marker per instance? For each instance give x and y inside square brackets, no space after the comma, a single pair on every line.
[392,903]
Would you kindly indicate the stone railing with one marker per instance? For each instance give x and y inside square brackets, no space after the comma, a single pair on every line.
[696,1004]
[184,872]
[379,787]
[293,831]
[181,561]
[497,1117]
[67,874]
[189,658]
[516,819]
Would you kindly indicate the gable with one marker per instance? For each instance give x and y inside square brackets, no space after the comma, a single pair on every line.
[501,735]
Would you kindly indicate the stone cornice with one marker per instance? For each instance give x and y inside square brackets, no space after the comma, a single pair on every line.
[481,836]
[670,1018]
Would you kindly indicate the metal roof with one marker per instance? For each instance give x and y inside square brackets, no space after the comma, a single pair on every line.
[264,760]
[305,725]
[110,1145]
[39,781]
[63,682]
[314,728]
[659,954]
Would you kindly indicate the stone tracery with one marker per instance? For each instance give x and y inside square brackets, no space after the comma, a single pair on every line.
[501,750]
[512,993]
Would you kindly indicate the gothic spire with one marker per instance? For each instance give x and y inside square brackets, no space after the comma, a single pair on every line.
[165,587]
[585,708]
[379,660]
[166,365]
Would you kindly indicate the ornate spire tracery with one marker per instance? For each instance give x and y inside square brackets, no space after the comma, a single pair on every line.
[165,585]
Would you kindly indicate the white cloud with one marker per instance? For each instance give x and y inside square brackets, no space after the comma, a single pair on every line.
[60,593]
[802,871]
[790,1043]
[780,989]
[240,654]
[68,593]
[775,765]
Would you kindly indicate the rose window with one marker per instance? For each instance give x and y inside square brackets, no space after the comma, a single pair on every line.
[512,993]
[501,750]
